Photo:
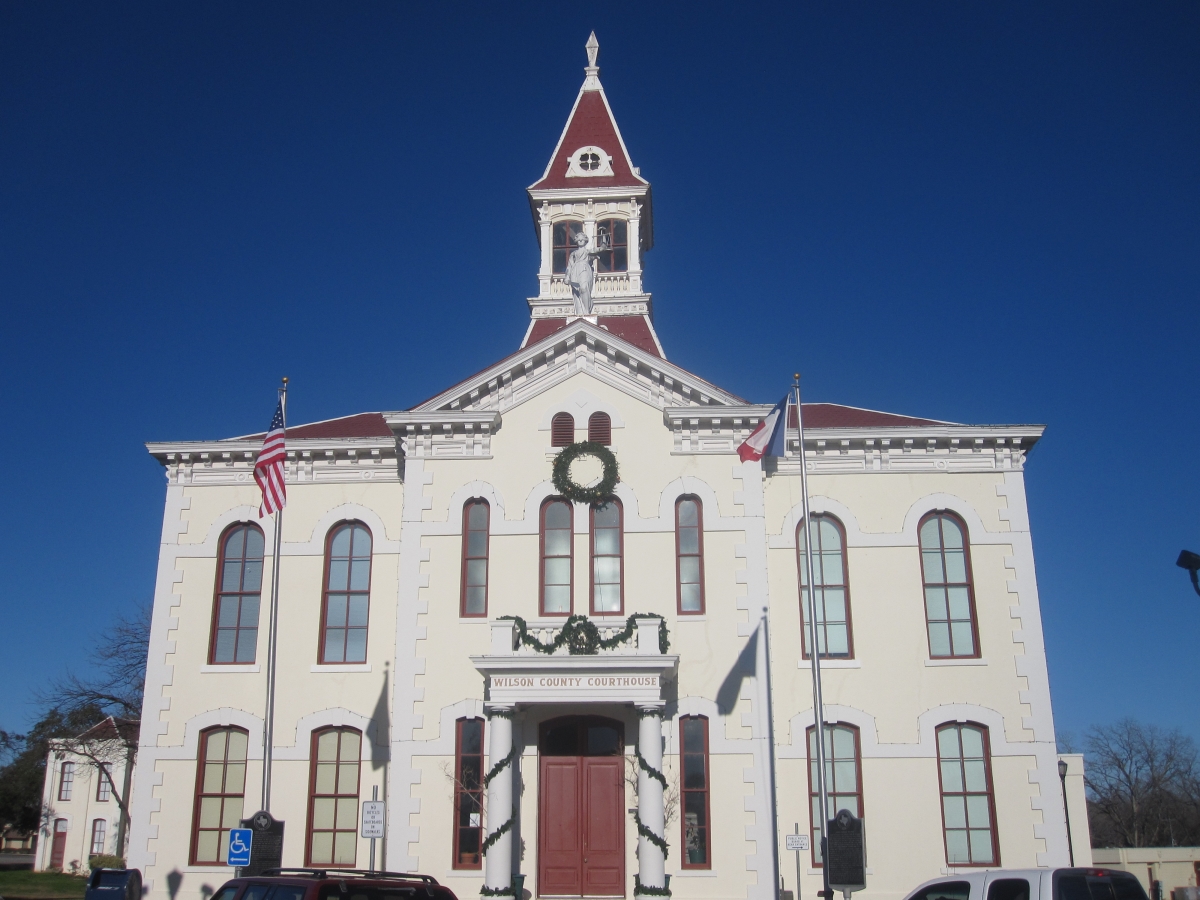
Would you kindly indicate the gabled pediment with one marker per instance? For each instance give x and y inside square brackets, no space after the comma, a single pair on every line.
[579,347]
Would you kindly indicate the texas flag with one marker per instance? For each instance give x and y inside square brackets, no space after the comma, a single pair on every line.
[768,438]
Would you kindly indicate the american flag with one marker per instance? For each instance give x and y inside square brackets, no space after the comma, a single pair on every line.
[268,470]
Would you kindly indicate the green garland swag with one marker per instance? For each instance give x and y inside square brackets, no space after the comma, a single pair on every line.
[649,835]
[649,770]
[582,637]
[509,891]
[647,891]
[499,832]
[593,496]
[499,767]
[500,714]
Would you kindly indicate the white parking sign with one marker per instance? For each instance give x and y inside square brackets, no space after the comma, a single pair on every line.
[373,817]
[795,841]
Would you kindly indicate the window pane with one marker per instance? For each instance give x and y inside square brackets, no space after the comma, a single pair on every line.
[476,543]
[252,577]
[210,810]
[948,743]
[933,568]
[249,611]
[254,543]
[344,848]
[607,541]
[955,811]
[836,641]
[689,540]
[956,567]
[607,515]
[235,778]
[845,776]
[964,642]
[360,575]
[356,645]
[688,512]
[952,536]
[347,813]
[956,847]
[231,579]
[231,814]
[935,603]
[356,613]
[977,811]
[608,598]
[981,846]
[960,603]
[929,535]
[689,570]
[831,569]
[340,545]
[972,742]
[558,570]
[322,848]
[477,572]
[247,639]
[939,639]
[476,598]
[477,517]
[227,612]
[558,599]
[335,645]
[558,543]
[335,609]
[952,779]
[339,574]
[361,543]
[206,846]
[351,745]
[558,515]
[327,747]
[608,569]
[237,746]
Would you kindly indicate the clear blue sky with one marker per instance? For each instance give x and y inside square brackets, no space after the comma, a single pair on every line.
[983,212]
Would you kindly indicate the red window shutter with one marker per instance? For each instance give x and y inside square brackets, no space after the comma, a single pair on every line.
[562,430]
[600,428]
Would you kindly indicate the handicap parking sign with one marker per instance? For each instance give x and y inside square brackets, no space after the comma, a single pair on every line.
[239,846]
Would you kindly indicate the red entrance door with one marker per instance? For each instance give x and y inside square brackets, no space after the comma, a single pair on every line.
[58,849]
[581,829]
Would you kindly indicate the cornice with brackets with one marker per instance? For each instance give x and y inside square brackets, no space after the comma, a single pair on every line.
[309,460]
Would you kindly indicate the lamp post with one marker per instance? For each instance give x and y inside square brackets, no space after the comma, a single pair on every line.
[1190,561]
[1062,776]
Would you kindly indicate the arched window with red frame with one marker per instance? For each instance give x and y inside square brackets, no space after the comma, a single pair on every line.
[562,430]
[347,594]
[949,592]
[694,792]
[843,778]
[616,257]
[468,794]
[689,555]
[220,793]
[557,562]
[476,519]
[333,798]
[600,428]
[562,239]
[968,803]
[607,563]
[238,592]
[834,636]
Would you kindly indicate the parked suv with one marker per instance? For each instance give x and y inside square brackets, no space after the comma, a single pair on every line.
[1033,884]
[333,884]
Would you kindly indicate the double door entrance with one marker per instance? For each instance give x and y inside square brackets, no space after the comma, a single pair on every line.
[581,823]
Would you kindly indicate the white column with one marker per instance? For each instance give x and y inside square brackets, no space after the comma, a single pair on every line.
[651,862]
[498,862]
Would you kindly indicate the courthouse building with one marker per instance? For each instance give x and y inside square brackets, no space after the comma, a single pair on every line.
[430,569]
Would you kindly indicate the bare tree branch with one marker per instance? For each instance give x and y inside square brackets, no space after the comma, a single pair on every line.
[119,662]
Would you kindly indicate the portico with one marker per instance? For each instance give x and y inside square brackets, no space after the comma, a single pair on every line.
[580,699]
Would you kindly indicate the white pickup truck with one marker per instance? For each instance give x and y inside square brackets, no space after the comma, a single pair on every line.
[1033,884]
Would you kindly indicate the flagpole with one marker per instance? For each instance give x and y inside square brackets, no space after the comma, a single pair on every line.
[814,648]
[273,638]
[771,746]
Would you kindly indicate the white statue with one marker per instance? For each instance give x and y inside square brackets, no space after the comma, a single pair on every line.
[580,274]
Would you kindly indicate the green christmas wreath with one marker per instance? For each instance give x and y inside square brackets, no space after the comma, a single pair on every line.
[593,496]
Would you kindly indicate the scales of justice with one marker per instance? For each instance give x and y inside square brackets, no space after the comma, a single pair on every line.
[581,268]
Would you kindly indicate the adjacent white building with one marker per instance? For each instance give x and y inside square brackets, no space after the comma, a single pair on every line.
[413,538]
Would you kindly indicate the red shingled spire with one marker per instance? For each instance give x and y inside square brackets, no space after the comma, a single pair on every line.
[591,124]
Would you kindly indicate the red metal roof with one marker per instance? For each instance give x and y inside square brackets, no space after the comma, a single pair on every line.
[634,329]
[357,426]
[834,415]
[590,125]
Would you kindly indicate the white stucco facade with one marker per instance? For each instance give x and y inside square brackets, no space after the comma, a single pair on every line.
[406,476]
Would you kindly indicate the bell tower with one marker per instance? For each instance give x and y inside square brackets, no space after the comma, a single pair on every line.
[595,221]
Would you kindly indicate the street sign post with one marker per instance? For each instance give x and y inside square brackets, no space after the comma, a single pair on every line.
[240,840]
[373,817]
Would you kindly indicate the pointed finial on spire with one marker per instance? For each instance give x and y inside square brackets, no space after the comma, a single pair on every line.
[593,47]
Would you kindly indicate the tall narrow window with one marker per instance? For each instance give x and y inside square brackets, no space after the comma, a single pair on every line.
[600,428]
[562,430]
[968,809]
[693,742]
[239,585]
[99,829]
[66,780]
[347,588]
[563,235]
[689,553]
[606,558]
[949,596]
[833,592]
[220,791]
[557,557]
[843,779]
[103,783]
[333,807]
[476,516]
[616,258]
[468,794]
